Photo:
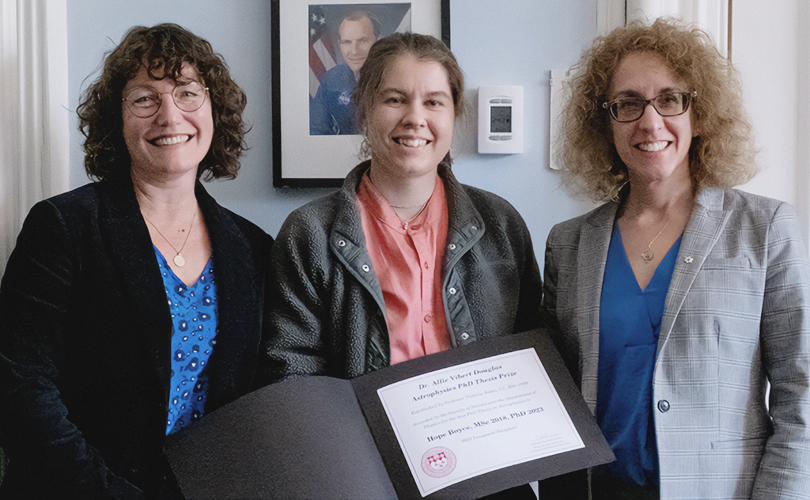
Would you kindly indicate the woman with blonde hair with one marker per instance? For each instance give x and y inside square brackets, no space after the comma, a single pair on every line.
[679,300]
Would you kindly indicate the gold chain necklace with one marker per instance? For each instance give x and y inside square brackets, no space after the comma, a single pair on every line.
[406,223]
[648,255]
[405,208]
[178,259]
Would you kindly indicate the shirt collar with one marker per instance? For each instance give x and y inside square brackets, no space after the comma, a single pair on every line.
[379,208]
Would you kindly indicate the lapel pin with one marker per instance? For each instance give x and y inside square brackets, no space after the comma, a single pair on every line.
[688,260]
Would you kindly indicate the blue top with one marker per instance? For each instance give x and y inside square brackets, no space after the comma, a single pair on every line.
[629,325]
[331,111]
[194,330]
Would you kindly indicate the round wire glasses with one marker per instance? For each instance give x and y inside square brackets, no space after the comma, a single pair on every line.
[144,102]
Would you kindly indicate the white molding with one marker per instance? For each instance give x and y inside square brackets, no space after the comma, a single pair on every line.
[710,15]
[58,102]
[803,128]
[610,14]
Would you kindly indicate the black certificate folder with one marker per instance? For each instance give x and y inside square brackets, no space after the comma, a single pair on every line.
[324,438]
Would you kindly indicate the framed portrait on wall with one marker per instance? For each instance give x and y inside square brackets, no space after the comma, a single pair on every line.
[318,48]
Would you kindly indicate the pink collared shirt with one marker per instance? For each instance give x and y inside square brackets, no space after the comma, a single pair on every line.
[407,258]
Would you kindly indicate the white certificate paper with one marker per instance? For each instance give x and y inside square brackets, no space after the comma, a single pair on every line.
[469,419]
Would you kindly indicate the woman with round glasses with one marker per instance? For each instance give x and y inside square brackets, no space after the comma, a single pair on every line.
[132,306]
[680,300]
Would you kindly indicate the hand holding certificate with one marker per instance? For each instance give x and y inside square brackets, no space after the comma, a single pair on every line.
[462,423]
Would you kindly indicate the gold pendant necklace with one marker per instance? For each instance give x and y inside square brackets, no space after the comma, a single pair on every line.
[406,223]
[178,259]
[648,255]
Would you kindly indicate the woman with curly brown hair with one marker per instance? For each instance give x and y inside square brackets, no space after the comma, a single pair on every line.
[132,306]
[680,300]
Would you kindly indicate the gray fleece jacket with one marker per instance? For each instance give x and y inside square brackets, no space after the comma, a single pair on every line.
[326,307]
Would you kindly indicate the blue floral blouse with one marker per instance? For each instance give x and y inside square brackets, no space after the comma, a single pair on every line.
[194,330]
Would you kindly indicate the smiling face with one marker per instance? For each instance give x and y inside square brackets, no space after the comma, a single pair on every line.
[171,142]
[411,123]
[356,38]
[653,147]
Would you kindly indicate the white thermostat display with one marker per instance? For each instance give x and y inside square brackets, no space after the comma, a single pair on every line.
[500,119]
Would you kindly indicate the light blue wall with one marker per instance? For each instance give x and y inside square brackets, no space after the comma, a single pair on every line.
[506,42]
[517,42]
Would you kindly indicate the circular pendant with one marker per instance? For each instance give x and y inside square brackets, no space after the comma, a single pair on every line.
[179,261]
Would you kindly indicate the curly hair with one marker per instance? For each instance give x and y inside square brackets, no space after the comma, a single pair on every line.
[162,50]
[722,153]
[380,57]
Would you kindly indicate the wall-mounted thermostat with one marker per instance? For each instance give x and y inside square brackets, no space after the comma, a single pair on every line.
[500,119]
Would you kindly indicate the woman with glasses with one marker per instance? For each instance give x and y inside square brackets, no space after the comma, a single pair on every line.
[132,306]
[680,300]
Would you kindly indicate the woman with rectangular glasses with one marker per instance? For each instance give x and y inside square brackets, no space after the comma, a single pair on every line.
[679,301]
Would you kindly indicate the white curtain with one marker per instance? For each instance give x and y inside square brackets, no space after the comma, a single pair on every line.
[34,110]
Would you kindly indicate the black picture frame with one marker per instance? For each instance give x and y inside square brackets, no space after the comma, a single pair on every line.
[301,159]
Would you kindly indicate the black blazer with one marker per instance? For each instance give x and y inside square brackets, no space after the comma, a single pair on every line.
[85,334]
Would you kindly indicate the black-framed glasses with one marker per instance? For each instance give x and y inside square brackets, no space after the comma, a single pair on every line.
[630,109]
[145,101]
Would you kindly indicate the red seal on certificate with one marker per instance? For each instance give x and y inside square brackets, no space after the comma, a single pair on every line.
[438,462]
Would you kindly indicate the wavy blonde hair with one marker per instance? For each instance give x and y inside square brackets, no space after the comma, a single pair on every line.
[722,153]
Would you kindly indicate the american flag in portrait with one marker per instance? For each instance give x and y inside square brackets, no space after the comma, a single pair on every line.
[321,47]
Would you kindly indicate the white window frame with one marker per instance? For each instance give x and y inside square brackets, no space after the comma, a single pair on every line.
[711,15]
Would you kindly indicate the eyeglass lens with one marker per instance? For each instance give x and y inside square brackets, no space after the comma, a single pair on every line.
[145,101]
[631,108]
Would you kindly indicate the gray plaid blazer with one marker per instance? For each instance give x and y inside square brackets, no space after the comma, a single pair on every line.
[736,319]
